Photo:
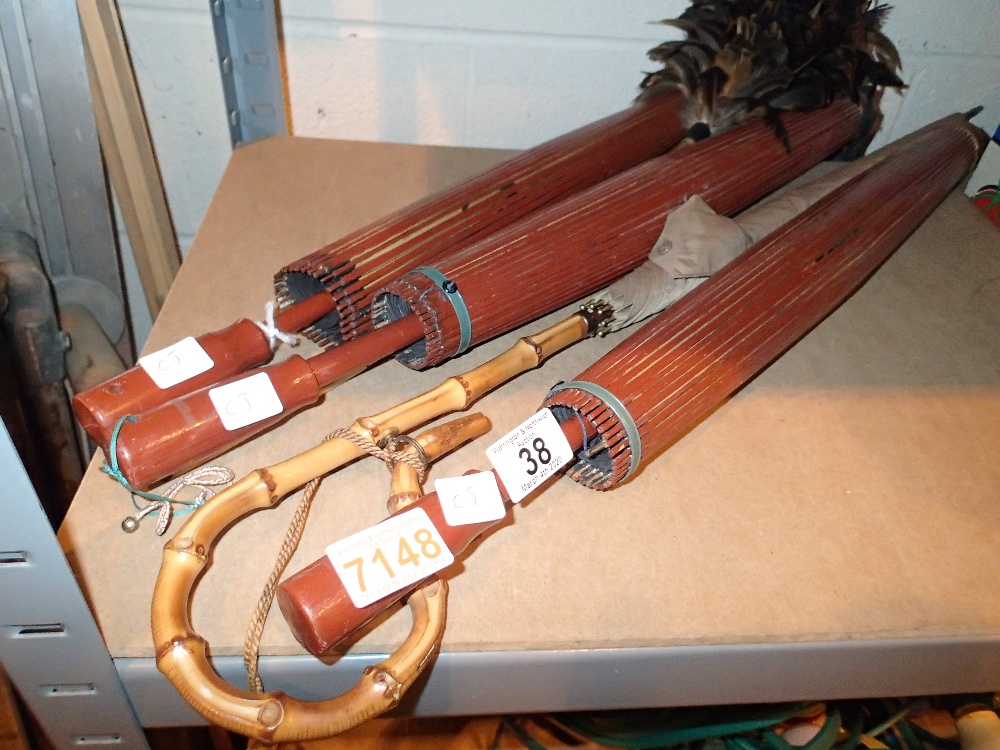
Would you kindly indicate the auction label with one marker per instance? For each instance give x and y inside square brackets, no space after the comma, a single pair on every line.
[529,454]
[246,401]
[474,498]
[389,557]
[175,364]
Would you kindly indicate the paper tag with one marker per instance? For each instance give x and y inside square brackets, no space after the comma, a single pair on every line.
[175,364]
[389,557]
[529,454]
[474,498]
[246,401]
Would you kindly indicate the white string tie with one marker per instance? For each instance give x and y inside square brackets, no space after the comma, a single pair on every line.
[204,479]
[273,333]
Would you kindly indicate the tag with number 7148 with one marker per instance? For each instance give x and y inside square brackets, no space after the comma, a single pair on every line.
[389,557]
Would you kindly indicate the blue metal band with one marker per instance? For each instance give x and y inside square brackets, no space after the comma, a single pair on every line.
[450,289]
[634,441]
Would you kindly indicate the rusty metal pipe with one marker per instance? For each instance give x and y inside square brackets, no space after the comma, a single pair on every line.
[31,329]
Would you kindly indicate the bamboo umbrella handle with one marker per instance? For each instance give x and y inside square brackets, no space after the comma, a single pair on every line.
[181,654]
[277,717]
[180,651]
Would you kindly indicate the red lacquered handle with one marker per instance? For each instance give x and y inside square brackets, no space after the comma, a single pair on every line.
[232,350]
[187,431]
[317,607]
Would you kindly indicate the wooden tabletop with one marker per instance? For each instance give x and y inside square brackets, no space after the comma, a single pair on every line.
[852,491]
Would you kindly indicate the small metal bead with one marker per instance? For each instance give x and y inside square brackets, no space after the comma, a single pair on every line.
[130,524]
[450,286]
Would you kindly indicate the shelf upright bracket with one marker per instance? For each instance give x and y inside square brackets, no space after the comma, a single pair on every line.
[246,36]
[50,646]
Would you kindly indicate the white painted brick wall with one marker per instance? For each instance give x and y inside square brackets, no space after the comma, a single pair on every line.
[483,73]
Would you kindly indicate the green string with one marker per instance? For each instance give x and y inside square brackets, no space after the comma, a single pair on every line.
[526,739]
[827,735]
[986,194]
[752,720]
[115,472]
[895,718]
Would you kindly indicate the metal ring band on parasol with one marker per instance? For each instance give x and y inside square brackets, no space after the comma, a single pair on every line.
[612,402]
[450,289]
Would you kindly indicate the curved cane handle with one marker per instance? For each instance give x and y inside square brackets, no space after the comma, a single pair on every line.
[277,717]
[181,654]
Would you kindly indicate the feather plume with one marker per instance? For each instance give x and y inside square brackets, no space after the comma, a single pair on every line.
[743,59]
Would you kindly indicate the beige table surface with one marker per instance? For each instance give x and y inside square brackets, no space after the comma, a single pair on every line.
[852,491]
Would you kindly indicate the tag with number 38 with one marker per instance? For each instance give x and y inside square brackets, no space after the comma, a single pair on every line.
[529,454]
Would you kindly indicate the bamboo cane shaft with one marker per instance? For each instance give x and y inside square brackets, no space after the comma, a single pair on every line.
[188,431]
[454,394]
[276,717]
[405,487]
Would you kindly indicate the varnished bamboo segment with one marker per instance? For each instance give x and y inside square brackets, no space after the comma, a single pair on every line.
[404,488]
[454,394]
[276,717]
[691,357]
[188,431]
[181,654]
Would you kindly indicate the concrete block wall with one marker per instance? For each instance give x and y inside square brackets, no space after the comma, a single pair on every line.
[483,73]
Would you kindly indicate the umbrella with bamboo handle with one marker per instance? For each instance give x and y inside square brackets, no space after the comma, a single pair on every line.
[181,653]
[547,260]
[739,61]
[655,386]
